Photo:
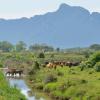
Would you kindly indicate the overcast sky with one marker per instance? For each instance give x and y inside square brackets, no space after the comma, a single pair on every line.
[27,8]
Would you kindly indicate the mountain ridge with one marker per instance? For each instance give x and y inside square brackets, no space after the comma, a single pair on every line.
[69,26]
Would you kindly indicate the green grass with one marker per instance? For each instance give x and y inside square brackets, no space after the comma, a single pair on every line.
[73,83]
[7,92]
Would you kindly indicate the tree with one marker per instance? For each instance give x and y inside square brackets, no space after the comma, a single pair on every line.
[41,47]
[20,46]
[92,60]
[6,46]
[95,47]
[58,49]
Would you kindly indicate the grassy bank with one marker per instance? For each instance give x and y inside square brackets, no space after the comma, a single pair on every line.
[65,83]
[7,92]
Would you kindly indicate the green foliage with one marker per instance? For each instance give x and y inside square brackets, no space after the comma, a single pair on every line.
[95,47]
[20,46]
[1,65]
[50,87]
[41,55]
[97,67]
[6,46]
[7,92]
[41,47]
[50,78]
[94,58]
[69,86]
[36,65]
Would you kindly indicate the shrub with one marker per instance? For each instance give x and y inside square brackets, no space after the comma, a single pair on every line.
[80,93]
[63,86]
[97,67]
[82,66]
[50,87]
[59,73]
[83,81]
[94,58]
[50,78]
[38,86]
[36,65]
[31,72]
[41,55]
[1,65]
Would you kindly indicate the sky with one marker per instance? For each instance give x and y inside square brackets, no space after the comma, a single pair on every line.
[11,9]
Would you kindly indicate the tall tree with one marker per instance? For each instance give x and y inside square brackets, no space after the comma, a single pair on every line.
[95,47]
[20,46]
[6,46]
[41,47]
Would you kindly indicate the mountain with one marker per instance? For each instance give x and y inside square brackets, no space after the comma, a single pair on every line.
[69,26]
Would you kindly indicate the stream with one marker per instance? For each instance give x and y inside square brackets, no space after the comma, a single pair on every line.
[20,84]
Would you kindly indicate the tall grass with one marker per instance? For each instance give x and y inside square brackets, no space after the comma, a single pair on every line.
[7,92]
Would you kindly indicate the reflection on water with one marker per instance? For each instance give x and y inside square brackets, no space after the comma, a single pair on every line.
[20,84]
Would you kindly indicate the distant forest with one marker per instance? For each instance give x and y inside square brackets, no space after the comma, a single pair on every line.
[6,46]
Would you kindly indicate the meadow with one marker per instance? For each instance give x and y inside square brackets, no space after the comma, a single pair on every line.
[80,82]
[65,83]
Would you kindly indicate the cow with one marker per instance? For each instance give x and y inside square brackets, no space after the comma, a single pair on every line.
[13,72]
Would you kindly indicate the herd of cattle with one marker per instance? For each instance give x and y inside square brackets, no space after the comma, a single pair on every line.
[13,71]
[54,64]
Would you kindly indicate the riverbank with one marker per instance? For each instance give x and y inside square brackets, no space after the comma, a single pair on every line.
[67,83]
[38,93]
[7,92]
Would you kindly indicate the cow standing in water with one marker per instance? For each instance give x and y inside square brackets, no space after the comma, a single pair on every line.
[13,72]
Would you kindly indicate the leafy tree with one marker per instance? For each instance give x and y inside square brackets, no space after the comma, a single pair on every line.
[91,62]
[40,47]
[95,47]
[94,58]
[20,46]
[58,49]
[6,46]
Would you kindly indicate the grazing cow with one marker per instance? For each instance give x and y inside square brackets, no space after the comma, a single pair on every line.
[54,64]
[70,64]
[10,71]
[51,65]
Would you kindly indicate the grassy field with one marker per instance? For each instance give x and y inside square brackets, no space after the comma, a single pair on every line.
[7,92]
[65,83]
[76,83]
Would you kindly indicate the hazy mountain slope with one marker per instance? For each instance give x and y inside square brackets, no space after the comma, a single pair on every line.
[67,27]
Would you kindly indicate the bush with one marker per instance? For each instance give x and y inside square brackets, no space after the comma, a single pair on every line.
[41,55]
[84,81]
[50,78]
[38,86]
[97,67]
[63,86]
[50,87]
[36,65]
[93,59]
[1,65]
[59,73]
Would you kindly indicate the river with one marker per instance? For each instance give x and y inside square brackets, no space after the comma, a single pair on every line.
[20,84]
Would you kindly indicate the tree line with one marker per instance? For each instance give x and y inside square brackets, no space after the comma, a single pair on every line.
[6,46]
